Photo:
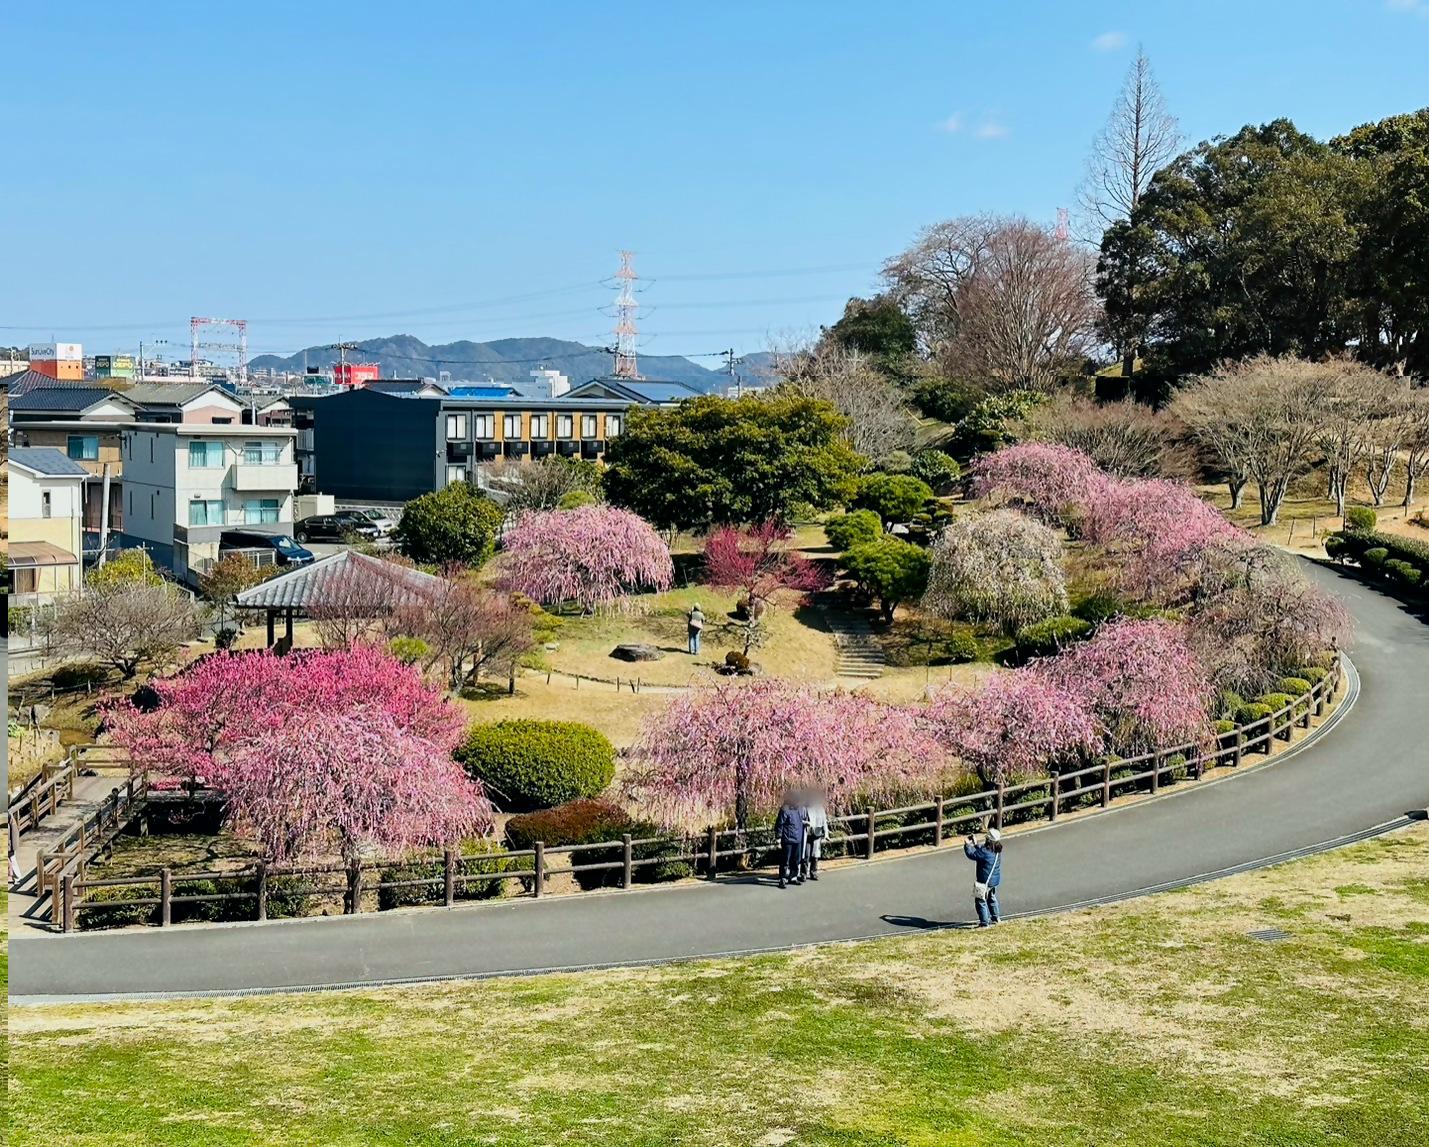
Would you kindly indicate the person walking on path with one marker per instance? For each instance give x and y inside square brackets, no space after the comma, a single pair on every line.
[789,829]
[988,857]
[818,829]
[697,628]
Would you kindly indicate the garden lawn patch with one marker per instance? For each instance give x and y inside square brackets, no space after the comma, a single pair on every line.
[1089,1027]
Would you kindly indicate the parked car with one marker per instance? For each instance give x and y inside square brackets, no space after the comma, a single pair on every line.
[286,552]
[334,528]
[359,518]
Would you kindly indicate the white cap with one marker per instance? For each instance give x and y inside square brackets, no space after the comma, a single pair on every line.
[993,835]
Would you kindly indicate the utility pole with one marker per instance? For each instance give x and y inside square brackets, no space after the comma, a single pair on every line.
[735,384]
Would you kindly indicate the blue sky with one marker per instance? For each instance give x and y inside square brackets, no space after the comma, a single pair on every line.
[450,170]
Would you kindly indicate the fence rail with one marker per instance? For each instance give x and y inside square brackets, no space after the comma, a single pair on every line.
[69,859]
[454,876]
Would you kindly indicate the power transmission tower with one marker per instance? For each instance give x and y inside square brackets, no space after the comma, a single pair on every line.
[625,307]
[1062,228]
[239,347]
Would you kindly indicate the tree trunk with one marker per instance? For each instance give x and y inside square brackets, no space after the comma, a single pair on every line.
[1128,364]
[1237,488]
[1409,481]
[1270,499]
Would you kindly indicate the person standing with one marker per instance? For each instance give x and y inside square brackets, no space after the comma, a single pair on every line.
[789,829]
[818,830]
[697,628]
[988,857]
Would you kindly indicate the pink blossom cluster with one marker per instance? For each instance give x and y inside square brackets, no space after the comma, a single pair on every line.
[760,561]
[315,751]
[592,555]
[1047,480]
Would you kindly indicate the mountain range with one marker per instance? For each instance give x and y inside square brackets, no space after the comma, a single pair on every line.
[506,360]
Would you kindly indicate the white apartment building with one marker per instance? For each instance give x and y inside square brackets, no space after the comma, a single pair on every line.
[184,484]
[46,501]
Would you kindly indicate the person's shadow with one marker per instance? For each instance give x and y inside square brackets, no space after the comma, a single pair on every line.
[923,923]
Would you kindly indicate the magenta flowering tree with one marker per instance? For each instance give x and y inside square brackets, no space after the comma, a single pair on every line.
[759,561]
[592,555]
[314,752]
[1013,726]
[1047,480]
[735,749]
[1141,682]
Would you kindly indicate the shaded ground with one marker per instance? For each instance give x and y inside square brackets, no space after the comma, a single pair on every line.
[1092,1027]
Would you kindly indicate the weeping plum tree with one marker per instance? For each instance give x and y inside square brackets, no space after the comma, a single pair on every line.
[758,562]
[314,752]
[999,567]
[734,750]
[592,555]
[1043,478]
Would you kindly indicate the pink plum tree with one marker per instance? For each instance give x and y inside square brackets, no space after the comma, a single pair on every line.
[315,751]
[593,555]
[735,749]
[1045,479]
[759,562]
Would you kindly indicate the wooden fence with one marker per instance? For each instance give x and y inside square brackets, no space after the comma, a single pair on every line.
[39,797]
[453,876]
[71,856]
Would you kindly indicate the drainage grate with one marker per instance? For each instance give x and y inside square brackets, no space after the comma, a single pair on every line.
[1269,934]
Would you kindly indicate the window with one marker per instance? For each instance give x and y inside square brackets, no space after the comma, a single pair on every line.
[587,425]
[612,425]
[511,426]
[540,426]
[223,421]
[262,453]
[260,511]
[455,474]
[46,508]
[205,455]
[485,425]
[83,447]
[205,513]
[456,427]
[565,426]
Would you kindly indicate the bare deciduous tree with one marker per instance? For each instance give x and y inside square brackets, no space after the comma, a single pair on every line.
[1126,438]
[127,626]
[468,629]
[1389,419]
[540,485]
[879,421]
[356,604]
[1261,418]
[1000,301]
[1416,441]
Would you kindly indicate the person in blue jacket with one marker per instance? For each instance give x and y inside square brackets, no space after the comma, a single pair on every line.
[789,829]
[988,857]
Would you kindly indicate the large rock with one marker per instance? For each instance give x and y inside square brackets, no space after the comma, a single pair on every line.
[636,652]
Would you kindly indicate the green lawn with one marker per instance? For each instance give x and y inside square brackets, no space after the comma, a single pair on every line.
[1158,1022]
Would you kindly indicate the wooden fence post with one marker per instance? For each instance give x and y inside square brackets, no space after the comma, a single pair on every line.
[262,890]
[1238,753]
[1056,795]
[1106,782]
[868,846]
[539,880]
[1155,773]
[67,906]
[712,851]
[628,856]
[938,823]
[166,893]
[449,878]
[1001,800]
[354,888]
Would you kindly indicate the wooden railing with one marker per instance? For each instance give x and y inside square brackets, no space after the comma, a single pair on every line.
[457,877]
[71,856]
[41,796]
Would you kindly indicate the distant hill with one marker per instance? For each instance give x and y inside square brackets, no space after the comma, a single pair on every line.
[505,360]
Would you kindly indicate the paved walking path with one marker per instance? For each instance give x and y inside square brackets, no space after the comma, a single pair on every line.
[1363,777]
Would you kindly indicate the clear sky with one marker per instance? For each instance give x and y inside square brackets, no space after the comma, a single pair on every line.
[469,170]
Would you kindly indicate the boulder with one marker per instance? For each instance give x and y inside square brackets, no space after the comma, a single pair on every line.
[636,652]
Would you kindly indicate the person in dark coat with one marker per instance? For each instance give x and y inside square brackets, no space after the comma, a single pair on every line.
[988,858]
[789,829]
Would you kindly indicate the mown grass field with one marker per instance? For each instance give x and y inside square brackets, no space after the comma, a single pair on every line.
[1156,1022]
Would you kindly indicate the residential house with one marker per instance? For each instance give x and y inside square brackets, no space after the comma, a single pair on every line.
[185,483]
[365,445]
[46,492]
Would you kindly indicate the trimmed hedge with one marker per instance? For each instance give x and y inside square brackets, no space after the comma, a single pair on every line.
[1295,686]
[1312,673]
[1361,519]
[1253,713]
[1355,543]
[528,764]
[598,822]
[1375,556]
[849,530]
[1228,701]
[1052,635]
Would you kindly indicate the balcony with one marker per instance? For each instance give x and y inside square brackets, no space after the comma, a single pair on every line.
[566,448]
[517,449]
[252,476]
[541,448]
[592,448]
[488,450]
[459,451]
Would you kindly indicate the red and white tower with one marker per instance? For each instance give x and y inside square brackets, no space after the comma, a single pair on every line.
[625,307]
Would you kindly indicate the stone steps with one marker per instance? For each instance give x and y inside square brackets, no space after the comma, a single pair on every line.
[859,654]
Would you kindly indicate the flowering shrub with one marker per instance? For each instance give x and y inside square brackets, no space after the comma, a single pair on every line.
[999,567]
[591,555]
[1045,479]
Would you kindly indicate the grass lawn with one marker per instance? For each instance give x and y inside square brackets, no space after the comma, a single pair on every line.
[1155,1022]
[617,715]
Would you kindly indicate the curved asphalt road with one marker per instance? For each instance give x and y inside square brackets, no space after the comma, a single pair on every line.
[1362,778]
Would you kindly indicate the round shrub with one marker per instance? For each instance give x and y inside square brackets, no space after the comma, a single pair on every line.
[1099,607]
[849,530]
[937,469]
[1374,557]
[1361,518]
[78,675]
[1225,726]
[893,497]
[1295,686]
[1228,701]
[1253,713]
[1275,702]
[529,764]
[1044,638]
[475,856]
[1312,673]
[1402,571]
[1337,547]
[575,499]
[593,822]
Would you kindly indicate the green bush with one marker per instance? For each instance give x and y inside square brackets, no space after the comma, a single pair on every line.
[409,650]
[1099,607]
[1052,635]
[1403,572]
[112,907]
[1227,702]
[893,497]
[1361,519]
[1338,547]
[475,856]
[290,897]
[598,822]
[575,499]
[1312,673]
[1295,686]
[1253,713]
[854,529]
[530,764]
[1225,726]
[78,675]
[1375,556]
[1275,702]
[1356,545]
[937,469]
